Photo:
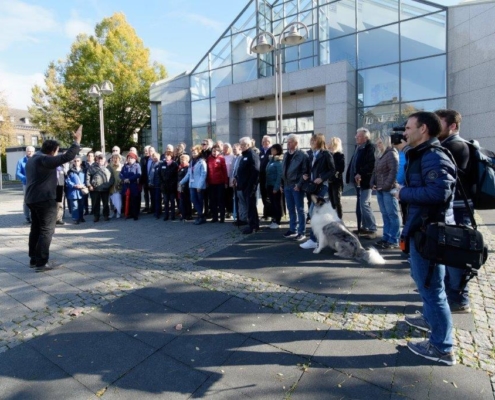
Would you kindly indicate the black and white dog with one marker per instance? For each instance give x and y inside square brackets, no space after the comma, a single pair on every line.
[330,231]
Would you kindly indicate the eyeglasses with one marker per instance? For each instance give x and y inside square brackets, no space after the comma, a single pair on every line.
[204,144]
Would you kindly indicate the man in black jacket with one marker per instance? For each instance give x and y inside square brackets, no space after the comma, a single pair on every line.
[246,180]
[143,180]
[41,187]
[359,172]
[450,139]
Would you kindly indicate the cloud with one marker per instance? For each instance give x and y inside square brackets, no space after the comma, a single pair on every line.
[207,22]
[75,26]
[22,22]
[167,58]
[16,88]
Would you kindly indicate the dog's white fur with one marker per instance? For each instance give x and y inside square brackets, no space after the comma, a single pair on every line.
[330,231]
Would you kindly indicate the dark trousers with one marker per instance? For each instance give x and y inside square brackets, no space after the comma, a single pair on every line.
[185,204]
[146,190]
[217,201]
[335,194]
[169,203]
[229,199]
[206,201]
[86,203]
[43,217]
[358,207]
[276,204]
[134,206]
[157,202]
[253,218]
[265,198]
[100,197]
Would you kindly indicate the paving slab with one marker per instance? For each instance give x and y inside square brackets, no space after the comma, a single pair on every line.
[92,352]
[159,376]
[262,371]
[26,374]
[149,322]
[320,382]
[204,346]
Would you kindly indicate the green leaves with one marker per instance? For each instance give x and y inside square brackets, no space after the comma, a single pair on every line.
[113,53]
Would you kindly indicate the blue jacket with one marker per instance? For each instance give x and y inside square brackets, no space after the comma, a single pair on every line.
[430,184]
[133,173]
[274,172]
[401,172]
[74,177]
[196,174]
[20,172]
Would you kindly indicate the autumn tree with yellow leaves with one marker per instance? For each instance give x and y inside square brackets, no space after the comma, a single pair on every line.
[113,53]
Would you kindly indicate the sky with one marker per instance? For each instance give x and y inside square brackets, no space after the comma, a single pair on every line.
[35,32]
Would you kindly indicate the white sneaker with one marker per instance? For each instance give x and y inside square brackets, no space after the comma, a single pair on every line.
[310,244]
[274,225]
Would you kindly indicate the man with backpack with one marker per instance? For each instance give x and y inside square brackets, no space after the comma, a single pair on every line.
[457,295]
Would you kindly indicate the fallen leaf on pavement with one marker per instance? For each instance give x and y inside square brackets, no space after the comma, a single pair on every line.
[178,327]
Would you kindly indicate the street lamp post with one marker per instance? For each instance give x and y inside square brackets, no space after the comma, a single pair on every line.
[291,38]
[96,91]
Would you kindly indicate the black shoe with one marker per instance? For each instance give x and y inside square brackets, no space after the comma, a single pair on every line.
[82,220]
[247,231]
[97,219]
[86,212]
[60,223]
[165,218]
[76,222]
[145,210]
[106,219]
[240,223]
[32,263]
[214,220]
[172,219]
[44,268]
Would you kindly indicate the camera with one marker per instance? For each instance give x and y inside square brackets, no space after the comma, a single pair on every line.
[397,137]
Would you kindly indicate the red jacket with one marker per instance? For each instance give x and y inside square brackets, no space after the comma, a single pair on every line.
[217,171]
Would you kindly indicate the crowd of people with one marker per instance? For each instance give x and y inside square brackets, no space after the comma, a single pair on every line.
[413,182]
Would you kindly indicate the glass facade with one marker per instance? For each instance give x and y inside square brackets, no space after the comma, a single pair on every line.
[398,48]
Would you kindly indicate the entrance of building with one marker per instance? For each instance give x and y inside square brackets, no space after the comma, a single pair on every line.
[302,125]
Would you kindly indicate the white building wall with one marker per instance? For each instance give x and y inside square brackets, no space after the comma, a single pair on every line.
[175,99]
[471,69]
[331,99]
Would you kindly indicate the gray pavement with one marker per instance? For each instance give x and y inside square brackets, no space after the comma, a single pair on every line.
[154,309]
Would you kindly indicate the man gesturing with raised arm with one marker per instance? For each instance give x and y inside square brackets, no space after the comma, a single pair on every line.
[41,186]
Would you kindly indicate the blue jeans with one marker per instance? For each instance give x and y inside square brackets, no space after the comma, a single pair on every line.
[454,276]
[77,207]
[295,206]
[197,200]
[389,207]
[365,217]
[436,309]
[322,192]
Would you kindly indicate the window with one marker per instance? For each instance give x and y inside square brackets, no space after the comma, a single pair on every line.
[20,140]
[34,140]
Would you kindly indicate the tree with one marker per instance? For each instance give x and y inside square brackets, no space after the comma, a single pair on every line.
[6,130]
[114,53]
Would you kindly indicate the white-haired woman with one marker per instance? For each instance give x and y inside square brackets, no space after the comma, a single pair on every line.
[384,180]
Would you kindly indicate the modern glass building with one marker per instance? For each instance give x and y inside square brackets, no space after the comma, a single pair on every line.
[364,63]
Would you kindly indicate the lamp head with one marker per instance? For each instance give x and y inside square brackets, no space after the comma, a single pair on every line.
[263,46]
[106,87]
[94,91]
[293,37]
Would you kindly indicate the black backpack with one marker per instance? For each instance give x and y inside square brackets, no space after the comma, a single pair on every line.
[483,164]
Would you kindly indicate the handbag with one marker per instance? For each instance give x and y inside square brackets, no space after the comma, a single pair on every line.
[309,187]
[85,190]
[457,246]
